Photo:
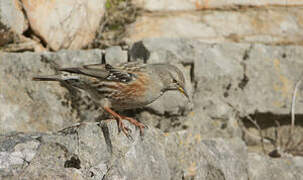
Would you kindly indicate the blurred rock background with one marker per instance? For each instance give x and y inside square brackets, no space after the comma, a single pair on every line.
[241,59]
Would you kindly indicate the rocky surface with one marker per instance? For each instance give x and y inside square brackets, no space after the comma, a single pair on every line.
[65,24]
[12,16]
[197,139]
[231,72]
[241,60]
[89,151]
[179,5]
[115,55]
[270,25]
[82,153]
[51,25]
[260,167]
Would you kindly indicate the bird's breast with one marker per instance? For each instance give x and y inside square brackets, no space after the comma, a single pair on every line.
[136,94]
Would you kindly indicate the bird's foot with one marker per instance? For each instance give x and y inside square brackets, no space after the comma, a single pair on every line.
[121,126]
[141,126]
[124,129]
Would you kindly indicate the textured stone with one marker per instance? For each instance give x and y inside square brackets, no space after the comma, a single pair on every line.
[261,167]
[82,153]
[164,50]
[115,55]
[49,163]
[272,72]
[191,156]
[90,152]
[228,78]
[171,5]
[65,24]
[11,16]
[273,25]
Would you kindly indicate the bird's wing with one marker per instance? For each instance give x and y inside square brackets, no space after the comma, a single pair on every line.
[134,66]
[102,71]
[93,70]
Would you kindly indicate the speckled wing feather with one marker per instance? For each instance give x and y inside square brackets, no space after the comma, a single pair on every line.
[102,71]
[93,70]
[135,66]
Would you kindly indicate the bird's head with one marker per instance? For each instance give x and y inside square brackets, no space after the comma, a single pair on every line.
[175,80]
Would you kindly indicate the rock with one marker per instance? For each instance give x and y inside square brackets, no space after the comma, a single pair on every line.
[6,35]
[50,163]
[68,58]
[273,70]
[191,156]
[145,154]
[165,5]
[173,5]
[28,105]
[262,167]
[83,153]
[16,151]
[164,50]
[97,151]
[225,77]
[269,25]
[218,71]
[12,17]
[227,74]
[65,24]
[115,55]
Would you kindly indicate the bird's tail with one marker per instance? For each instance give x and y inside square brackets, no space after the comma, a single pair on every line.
[56,77]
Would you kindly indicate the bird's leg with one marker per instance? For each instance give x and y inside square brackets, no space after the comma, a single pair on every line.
[136,123]
[119,121]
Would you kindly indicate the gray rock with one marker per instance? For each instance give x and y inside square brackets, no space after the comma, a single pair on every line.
[87,151]
[50,163]
[231,80]
[227,82]
[262,167]
[190,156]
[164,50]
[81,152]
[16,151]
[11,15]
[115,55]
[227,75]
[150,149]
[67,58]
[272,72]
[218,73]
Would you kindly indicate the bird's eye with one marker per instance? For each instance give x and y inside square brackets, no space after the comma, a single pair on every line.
[175,81]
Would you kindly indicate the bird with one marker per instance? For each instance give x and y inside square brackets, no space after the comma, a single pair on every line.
[128,85]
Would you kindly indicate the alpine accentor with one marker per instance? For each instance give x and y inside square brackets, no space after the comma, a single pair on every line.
[126,86]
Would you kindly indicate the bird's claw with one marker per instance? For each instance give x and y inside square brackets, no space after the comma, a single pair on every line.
[127,131]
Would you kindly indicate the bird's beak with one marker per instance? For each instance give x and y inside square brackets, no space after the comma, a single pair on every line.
[183,91]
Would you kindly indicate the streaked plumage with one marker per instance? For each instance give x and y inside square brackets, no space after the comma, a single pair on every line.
[126,86]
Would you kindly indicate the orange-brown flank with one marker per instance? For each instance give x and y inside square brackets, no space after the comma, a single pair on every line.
[134,89]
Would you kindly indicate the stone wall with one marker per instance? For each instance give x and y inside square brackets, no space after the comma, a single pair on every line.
[241,61]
